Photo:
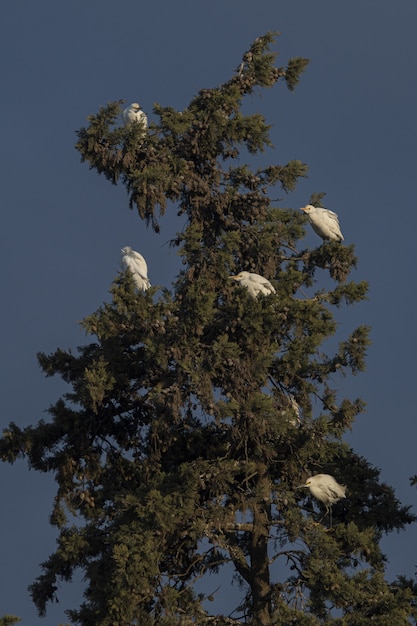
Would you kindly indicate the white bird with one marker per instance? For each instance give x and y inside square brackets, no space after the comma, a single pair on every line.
[254,283]
[290,410]
[295,420]
[326,489]
[134,113]
[136,264]
[324,222]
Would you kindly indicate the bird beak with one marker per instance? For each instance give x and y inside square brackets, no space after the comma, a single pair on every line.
[301,486]
[234,277]
[303,209]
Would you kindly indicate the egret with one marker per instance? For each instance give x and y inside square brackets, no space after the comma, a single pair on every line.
[254,283]
[134,113]
[136,264]
[324,222]
[326,489]
[296,420]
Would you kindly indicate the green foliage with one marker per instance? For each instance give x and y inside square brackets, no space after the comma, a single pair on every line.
[8,620]
[294,70]
[194,414]
[174,161]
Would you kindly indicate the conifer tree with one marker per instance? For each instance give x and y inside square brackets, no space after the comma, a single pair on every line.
[197,411]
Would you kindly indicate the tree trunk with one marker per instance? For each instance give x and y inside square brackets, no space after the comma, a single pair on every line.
[260,582]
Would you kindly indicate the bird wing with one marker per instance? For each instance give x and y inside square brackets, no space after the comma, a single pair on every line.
[138,272]
[129,263]
[260,280]
[142,282]
[141,117]
[333,223]
[335,491]
[331,216]
[140,269]
[325,223]
[256,283]
[135,116]
[139,262]
[332,493]
[325,211]
[136,266]
[269,287]
[126,116]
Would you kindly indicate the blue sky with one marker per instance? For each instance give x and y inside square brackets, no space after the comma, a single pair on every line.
[352,119]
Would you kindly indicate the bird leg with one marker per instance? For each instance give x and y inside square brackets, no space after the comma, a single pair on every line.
[329,512]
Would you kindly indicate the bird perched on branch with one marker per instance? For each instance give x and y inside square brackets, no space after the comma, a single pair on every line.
[134,113]
[324,222]
[254,283]
[136,264]
[326,489]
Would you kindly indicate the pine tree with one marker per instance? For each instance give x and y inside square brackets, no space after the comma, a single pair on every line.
[196,412]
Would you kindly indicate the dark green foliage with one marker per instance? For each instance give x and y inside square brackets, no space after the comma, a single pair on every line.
[295,68]
[178,159]
[8,620]
[194,414]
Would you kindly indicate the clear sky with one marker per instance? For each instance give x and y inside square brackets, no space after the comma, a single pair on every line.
[352,119]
